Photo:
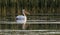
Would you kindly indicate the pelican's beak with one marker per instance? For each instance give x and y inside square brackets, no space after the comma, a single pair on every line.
[27,13]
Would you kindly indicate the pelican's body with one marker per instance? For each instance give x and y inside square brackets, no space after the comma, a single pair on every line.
[21,19]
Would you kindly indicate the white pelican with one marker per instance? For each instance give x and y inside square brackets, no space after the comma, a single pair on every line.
[22,18]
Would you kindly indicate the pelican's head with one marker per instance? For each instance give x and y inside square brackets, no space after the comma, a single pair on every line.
[25,12]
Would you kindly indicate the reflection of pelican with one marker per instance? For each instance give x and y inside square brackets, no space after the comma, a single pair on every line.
[22,18]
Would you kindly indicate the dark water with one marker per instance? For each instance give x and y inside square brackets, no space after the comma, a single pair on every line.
[31,26]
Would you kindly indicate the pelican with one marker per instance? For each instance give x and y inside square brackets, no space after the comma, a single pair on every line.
[22,18]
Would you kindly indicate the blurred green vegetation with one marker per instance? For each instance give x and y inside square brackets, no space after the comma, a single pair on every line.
[49,9]
[39,9]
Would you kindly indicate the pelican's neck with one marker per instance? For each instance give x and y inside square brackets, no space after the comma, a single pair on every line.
[23,13]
